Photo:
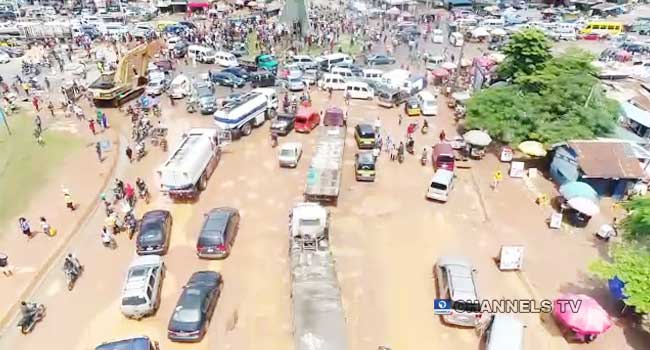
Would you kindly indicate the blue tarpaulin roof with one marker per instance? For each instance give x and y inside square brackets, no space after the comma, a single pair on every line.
[616,288]
[636,114]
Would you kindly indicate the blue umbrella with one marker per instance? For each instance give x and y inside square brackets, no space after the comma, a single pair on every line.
[616,288]
[575,189]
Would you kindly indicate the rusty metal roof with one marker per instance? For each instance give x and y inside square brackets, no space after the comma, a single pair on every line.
[609,160]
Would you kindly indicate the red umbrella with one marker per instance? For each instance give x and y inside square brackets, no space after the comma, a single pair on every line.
[581,313]
[440,73]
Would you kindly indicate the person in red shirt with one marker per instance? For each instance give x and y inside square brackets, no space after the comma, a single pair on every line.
[129,194]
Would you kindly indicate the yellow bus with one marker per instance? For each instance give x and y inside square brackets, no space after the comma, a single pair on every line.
[612,28]
[161,25]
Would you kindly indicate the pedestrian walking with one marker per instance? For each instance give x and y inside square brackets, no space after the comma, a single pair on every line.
[104,120]
[47,84]
[399,121]
[91,126]
[393,152]
[98,149]
[45,226]
[377,124]
[24,227]
[50,106]
[129,153]
[35,104]
[443,136]
[67,198]
[496,179]
[376,151]
[38,124]
[99,119]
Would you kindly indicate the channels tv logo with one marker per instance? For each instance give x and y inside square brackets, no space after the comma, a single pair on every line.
[441,306]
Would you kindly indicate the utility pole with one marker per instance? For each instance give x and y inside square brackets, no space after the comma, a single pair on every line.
[458,67]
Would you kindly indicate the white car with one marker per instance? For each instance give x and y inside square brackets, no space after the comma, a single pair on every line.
[171,42]
[290,154]
[77,69]
[155,87]
[438,38]
[4,58]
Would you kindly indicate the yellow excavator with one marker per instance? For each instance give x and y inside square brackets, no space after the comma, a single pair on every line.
[113,88]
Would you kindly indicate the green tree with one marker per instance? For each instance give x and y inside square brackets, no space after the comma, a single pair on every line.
[559,101]
[630,262]
[636,225]
[526,52]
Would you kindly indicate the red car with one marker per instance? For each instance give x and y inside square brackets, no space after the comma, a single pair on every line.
[306,119]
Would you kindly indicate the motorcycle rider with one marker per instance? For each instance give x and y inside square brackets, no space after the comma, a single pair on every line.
[28,310]
[425,127]
[142,187]
[72,263]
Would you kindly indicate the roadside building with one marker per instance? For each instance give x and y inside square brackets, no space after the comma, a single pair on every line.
[611,167]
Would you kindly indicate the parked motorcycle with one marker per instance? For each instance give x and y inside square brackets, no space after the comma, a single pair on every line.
[27,322]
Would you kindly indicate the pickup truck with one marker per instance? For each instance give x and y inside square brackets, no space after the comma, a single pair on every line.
[283,124]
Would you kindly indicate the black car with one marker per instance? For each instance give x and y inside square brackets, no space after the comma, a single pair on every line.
[227,79]
[195,307]
[375,60]
[218,233]
[283,124]
[154,234]
[238,72]
[239,50]
[180,49]
[262,79]
[139,343]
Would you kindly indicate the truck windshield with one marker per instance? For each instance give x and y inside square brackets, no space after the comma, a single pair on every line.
[309,222]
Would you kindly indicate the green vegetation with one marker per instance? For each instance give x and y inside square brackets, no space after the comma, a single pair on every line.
[630,260]
[526,52]
[25,166]
[550,99]
[631,264]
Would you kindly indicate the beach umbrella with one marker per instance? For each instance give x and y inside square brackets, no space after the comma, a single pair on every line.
[587,206]
[532,148]
[589,318]
[575,189]
[498,32]
[448,65]
[497,57]
[480,32]
[393,11]
[440,73]
[477,138]
[239,2]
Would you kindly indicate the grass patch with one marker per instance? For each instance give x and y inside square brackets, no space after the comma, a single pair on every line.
[343,44]
[25,166]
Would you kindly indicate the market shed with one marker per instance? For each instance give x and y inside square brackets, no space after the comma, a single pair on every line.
[610,167]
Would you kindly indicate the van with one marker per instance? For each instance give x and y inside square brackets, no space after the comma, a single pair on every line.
[413,85]
[440,185]
[142,286]
[373,74]
[346,73]
[364,166]
[428,103]
[390,98]
[442,156]
[332,81]
[359,90]
[504,333]
[395,78]
[432,62]
[201,54]
[226,59]
[493,23]
[303,61]
[456,39]
[456,282]
[334,117]
[326,62]
[220,226]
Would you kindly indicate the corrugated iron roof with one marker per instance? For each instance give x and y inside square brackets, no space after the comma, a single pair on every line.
[609,160]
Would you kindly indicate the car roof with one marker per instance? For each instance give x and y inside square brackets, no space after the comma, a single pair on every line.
[139,343]
[216,220]
[155,214]
[366,158]
[365,127]
[460,276]
[204,279]
[291,145]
